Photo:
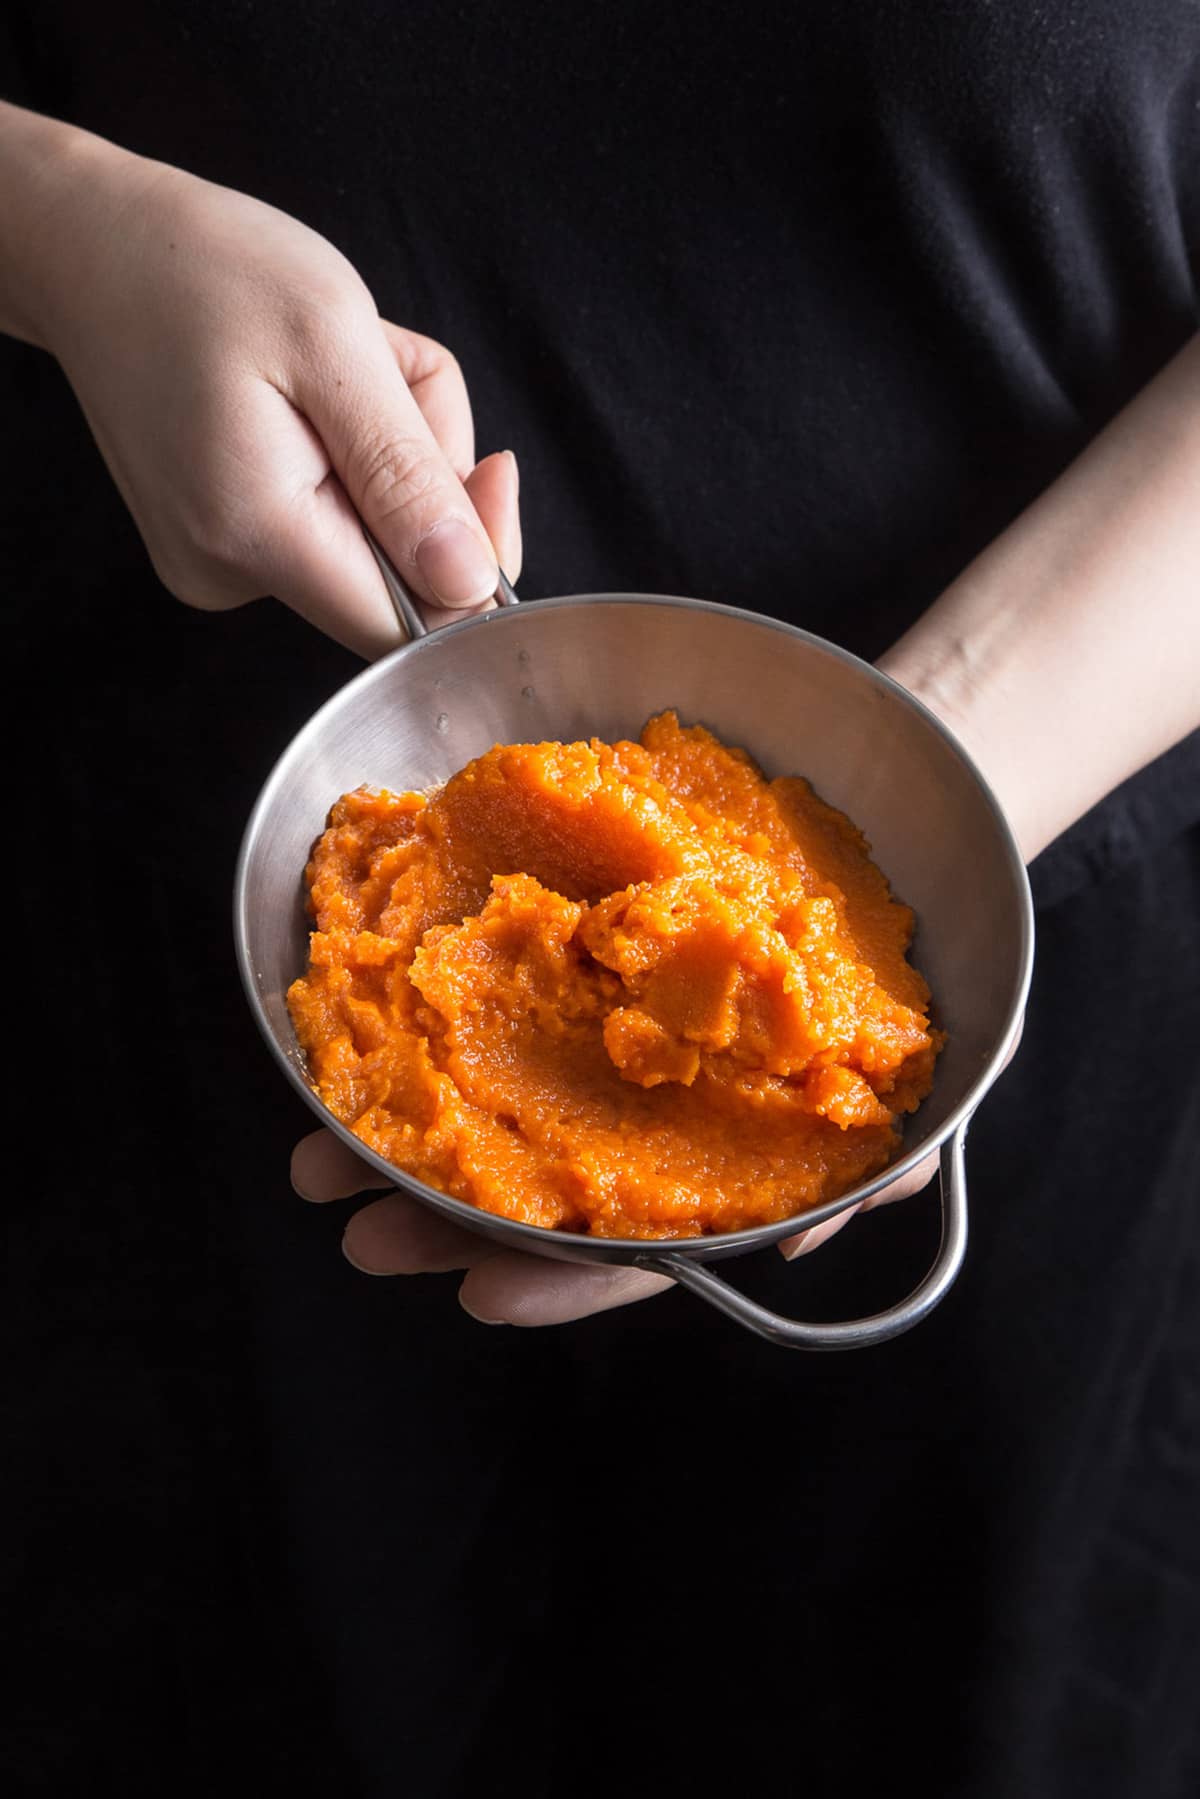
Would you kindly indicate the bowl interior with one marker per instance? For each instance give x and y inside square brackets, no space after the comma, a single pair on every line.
[600,665]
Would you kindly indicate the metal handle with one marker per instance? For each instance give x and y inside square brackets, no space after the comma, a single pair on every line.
[858,1332]
[407,607]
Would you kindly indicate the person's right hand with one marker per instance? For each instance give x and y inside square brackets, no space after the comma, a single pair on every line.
[253,407]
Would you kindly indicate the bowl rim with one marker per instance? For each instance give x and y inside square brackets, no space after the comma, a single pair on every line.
[571,1244]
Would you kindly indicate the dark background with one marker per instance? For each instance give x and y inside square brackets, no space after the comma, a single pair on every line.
[273,1519]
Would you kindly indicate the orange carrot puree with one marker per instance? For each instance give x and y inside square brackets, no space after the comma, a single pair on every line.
[630,989]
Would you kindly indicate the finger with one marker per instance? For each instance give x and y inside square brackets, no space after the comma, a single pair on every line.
[511,1288]
[323,1168]
[909,1183]
[436,617]
[436,383]
[494,487]
[807,1241]
[324,570]
[398,1235]
[398,479]
[300,539]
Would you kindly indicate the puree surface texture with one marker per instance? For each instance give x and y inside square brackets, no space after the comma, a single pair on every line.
[629,989]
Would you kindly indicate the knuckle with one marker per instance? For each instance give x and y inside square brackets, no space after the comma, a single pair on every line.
[192,586]
[394,477]
[448,364]
[425,356]
[319,335]
[322,325]
[327,306]
[219,540]
[209,561]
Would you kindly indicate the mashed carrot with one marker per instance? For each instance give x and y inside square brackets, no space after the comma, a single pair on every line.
[630,989]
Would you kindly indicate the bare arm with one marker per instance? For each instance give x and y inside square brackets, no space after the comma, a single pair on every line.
[1067,655]
[37,156]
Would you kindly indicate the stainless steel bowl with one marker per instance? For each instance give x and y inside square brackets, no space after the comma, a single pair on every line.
[600,665]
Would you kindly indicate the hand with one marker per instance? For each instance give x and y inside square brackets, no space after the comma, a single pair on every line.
[397,1235]
[253,407]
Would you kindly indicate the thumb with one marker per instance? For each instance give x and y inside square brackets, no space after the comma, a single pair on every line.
[397,478]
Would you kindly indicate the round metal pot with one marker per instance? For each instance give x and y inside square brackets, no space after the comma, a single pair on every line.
[599,665]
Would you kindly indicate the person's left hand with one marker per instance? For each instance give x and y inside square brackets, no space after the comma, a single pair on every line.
[398,1235]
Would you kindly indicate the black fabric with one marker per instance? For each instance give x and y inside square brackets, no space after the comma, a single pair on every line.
[792,308]
[966,1563]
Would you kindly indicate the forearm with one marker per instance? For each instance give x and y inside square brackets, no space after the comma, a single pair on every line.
[45,165]
[1068,654]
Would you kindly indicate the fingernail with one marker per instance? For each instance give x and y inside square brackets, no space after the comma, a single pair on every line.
[455,566]
[516,470]
[478,1316]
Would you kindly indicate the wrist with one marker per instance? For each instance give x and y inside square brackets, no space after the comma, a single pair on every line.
[1064,657]
[943,675]
[52,175]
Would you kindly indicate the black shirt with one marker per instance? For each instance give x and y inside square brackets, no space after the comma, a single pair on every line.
[789,306]
[792,307]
